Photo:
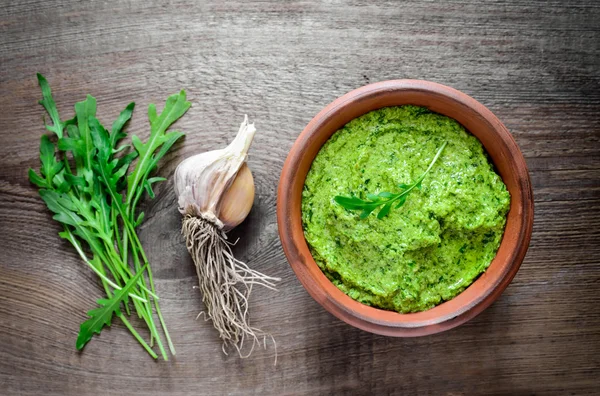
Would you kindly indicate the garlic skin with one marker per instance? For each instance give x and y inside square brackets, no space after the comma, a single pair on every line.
[202,180]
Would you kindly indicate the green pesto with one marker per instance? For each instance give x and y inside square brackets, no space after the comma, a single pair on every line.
[437,243]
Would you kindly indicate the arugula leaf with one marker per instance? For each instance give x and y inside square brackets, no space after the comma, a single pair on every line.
[385,199]
[148,185]
[139,219]
[100,138]
[75,181]
[175,107]
[37,179]
[102,316]
[123,164]
[74,144]
[116,135]
[400,202]
[50,166]
[385,210]
[102,208]
[84,110]
[48,103]
[350,202]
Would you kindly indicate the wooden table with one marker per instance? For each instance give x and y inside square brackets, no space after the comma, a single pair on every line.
[534,64]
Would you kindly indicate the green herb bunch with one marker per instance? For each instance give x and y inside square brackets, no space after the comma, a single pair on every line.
[94,194]
[385,199]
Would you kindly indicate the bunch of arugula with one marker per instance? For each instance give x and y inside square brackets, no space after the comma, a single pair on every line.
[93,196]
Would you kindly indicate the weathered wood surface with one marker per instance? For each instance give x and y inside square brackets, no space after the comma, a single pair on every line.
[534,64]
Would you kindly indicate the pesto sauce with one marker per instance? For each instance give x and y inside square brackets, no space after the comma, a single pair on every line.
[437,243]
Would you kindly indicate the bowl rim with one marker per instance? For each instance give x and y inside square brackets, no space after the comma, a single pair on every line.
[373,319]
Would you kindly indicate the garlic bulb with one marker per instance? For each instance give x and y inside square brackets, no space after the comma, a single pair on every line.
[201,180]
[215,192]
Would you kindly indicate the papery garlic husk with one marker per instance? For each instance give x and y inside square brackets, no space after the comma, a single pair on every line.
[201,183]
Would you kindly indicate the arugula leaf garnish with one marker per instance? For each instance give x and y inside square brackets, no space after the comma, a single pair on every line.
[385,199]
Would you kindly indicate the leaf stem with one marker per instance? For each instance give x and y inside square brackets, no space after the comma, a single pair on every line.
[138,337]
[100,274]
[420,179]
[150,278]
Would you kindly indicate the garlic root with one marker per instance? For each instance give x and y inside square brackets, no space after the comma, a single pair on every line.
[221,275]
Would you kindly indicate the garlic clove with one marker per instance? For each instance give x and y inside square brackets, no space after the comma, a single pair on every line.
[238,199]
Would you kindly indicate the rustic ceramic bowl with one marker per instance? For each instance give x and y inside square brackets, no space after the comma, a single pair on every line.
[503,151]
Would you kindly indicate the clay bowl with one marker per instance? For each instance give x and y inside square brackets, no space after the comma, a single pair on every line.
[503,151]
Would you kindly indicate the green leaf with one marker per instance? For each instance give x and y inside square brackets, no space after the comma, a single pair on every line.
[100,138]
[373,197]
[70,122]
[75,212]
[121,148]
[403,186]
[152,112]
[84,110]
[148,185]
[106,167]
[386,194]
[77,181]
[70,144]
[110,179]
[76,147]
[73,131]
[59,183]
[400,201]
[156,179]
[149,190]
[48,103]
[139,219]
[127,159]
[102,316]
[62,206]
[366,212]
[175,107]
[88,176]
[50,166]
[117,126]
[350,202]
[37,179]
[385,210]
[100,204]
[171,138]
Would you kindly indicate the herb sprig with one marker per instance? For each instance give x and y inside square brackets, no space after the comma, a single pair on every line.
[88,188]
[385,199]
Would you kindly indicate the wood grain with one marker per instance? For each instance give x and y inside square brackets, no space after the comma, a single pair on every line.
[534,64]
